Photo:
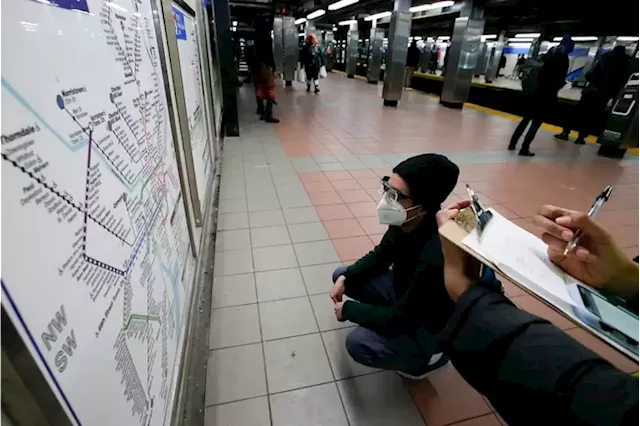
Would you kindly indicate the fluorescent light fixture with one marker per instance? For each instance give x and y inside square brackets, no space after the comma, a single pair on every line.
[444,38]
[489,36]
[376,16]
[300,34]
[527,35]
[234,23]
[348,22]
[335,28]
[442,4]
[318,13]
[420,8]
[627,38]
[234,29]
[585,38]
[417,38]
[524,40]
[519,44]
[342,3]
[300,21]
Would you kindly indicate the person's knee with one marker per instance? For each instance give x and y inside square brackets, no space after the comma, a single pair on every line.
[339,271]
[358,346]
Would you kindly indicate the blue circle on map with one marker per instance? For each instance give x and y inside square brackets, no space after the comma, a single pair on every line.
[60,102]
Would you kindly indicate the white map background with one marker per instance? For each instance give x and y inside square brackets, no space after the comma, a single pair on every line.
[94,231]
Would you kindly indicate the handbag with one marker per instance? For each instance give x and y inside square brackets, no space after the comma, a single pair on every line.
[301,76]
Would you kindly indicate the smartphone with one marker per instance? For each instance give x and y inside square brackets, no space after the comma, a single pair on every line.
[611,315]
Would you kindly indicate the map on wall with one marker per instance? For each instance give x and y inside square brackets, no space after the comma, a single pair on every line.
[193,89]
[94,228]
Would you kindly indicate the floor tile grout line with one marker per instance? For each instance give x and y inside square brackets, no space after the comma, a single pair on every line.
[369,373]
[255,284]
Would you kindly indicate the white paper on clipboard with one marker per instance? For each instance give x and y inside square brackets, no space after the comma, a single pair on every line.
[521,256]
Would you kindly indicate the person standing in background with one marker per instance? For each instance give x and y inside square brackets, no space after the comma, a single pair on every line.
[413,59]
[605,80]
[550,79]
[311,60]
[518,67]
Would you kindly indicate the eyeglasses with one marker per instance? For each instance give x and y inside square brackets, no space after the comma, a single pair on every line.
[389,191]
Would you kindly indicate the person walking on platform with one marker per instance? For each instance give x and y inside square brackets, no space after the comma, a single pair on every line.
[518,67]
[264,80]
[604,83]
[543,95]
[311,59]
[394,308]
[413,60]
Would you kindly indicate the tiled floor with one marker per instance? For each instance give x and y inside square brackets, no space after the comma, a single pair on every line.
[298,199]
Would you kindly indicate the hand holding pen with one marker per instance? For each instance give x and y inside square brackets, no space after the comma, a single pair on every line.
[596,260]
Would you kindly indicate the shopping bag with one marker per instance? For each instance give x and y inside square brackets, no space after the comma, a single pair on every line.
[323,72]
[301,76]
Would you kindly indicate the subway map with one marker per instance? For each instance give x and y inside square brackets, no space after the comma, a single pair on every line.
[95,241]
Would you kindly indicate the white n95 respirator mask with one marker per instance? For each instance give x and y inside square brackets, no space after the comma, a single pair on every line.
[391,212]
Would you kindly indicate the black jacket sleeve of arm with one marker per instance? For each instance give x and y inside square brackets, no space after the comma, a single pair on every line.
[531,371]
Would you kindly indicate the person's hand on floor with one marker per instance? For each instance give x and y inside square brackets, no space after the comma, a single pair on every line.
[460,268]
[338,289]
[597,260]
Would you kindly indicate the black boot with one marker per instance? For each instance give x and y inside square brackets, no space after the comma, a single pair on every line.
[562,136]
[512,145]
[271,119]
[316,90]
[308,87]
[525,152]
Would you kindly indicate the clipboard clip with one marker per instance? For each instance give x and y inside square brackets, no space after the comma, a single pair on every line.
[482,215]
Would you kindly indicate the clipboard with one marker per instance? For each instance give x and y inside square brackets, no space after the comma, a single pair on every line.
[455,233]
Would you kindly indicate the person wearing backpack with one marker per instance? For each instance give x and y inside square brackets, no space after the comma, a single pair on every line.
[311,60]
[542,79]
[605,80]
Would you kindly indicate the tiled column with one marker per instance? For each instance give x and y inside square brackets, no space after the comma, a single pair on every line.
[494,58]
[352,50]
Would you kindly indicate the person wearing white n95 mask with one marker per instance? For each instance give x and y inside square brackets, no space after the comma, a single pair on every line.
[398,287]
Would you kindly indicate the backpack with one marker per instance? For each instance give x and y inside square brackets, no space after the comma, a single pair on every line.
[529,74]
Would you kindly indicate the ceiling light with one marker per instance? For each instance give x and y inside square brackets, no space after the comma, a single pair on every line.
[489,36]
[348,22]
[442,4]
[626,38]
[528,35]
[525,40]
[234,23]
[377,16]
[519,44]
[584,38]
[300,34]
[318,13]
[335,28]
[444,38]
[342,3]
[300,21]
[420,8]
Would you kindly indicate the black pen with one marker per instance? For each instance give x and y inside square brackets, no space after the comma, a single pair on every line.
[595,208]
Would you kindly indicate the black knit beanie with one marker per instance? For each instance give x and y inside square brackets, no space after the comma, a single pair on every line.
[430,177]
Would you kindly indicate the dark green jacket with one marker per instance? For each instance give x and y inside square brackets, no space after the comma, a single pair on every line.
[418,281]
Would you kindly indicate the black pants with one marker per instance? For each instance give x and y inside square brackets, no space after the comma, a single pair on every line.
[591,111]
[265,107]
[535,125]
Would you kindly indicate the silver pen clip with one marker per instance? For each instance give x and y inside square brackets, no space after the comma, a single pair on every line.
[483,216]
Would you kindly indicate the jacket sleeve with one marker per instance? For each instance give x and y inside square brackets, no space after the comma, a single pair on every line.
[426,293]
[372,264]
[532,371]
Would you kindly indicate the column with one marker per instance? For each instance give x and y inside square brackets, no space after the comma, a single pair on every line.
[399,31]
[351,60]
[462,55]
[291,52]
[375,54]
[494,58]
[227,68]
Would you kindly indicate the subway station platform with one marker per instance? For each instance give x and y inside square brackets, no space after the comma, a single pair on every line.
[298,199]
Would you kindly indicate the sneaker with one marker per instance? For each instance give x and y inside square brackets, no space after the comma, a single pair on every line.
[579,142]
[316,90]
[526,153]
[271,120]
[437,362]
[562,136]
